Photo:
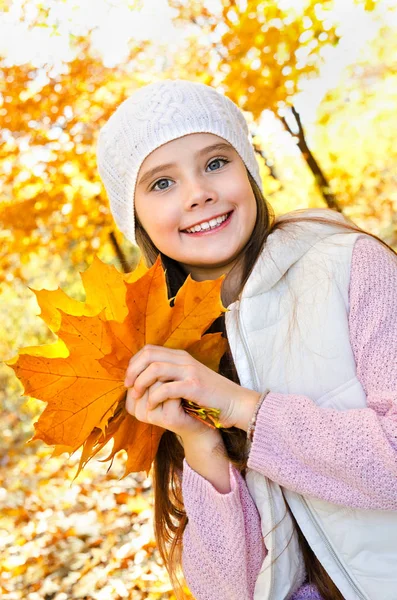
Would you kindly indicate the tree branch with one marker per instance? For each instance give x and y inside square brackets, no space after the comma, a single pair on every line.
[321,180]
[119,253]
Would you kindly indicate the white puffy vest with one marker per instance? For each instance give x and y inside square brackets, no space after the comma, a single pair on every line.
[289,333]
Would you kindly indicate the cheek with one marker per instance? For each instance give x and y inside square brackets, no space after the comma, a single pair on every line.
[159,223]
[163,221]
[247,202]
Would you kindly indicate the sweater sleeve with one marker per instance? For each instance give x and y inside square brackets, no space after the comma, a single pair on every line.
[345,457]
[223,547]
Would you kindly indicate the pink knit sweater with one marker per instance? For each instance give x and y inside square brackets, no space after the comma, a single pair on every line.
[307,449]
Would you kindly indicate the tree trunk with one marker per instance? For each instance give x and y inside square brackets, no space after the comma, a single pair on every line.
[313,165]
[119,253]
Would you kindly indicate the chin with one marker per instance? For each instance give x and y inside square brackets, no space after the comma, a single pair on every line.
[218,265]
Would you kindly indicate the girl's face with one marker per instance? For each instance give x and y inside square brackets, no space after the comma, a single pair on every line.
[194,200]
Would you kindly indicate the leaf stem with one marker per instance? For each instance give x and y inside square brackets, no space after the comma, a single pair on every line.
[209,416]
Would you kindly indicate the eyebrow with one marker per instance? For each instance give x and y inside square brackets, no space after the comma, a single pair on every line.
[152,172]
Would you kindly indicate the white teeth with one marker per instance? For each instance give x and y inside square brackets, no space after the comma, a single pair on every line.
[207,224]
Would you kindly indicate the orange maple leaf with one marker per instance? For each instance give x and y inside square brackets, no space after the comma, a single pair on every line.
[81,376]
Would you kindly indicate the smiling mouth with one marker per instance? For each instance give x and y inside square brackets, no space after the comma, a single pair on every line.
[207,226]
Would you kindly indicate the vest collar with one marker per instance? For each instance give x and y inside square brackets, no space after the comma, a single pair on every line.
[284,247]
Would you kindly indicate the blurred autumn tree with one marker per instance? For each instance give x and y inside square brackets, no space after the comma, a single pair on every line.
[50,189]
[356,137]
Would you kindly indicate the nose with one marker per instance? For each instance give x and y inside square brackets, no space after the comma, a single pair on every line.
[199,192]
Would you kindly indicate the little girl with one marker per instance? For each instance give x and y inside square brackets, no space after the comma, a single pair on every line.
[296,496]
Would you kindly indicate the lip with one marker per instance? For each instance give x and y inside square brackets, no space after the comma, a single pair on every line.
[206,220]
[209,231]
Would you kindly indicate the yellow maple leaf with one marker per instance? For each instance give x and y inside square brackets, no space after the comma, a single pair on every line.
[81,376]
[110,295]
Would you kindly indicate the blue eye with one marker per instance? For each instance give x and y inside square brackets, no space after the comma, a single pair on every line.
[159,183]
[217,161]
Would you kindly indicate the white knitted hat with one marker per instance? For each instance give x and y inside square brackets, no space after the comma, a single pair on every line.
[152,116]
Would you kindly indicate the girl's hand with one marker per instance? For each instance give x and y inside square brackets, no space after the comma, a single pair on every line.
[160,377]
[168,415]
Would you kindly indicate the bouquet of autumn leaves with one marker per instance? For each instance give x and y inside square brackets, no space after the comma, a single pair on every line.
[81,375]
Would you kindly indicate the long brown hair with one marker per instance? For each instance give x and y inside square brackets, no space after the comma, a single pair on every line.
[170,517]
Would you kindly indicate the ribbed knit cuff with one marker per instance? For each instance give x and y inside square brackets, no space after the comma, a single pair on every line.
[264,442]
[198,492]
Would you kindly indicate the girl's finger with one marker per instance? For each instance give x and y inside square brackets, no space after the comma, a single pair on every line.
[141,408]
[161,372]
[149,354]
[173,390]
[166,415]
[130,403]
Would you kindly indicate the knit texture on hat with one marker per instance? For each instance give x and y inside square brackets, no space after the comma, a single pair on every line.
[152,116]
